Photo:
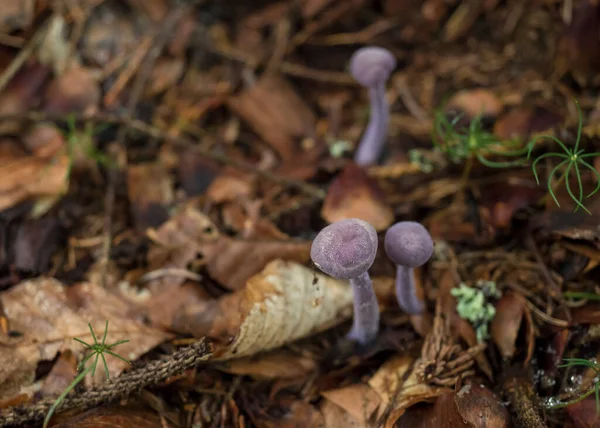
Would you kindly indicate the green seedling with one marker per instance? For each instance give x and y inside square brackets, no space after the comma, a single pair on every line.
[573,161]
[582,295]
[80,143]
[581,362]
[97,350]
[474,306]
[474,142]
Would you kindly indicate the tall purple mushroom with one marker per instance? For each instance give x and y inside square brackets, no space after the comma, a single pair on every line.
[346,249]
[409,245]
[371,66]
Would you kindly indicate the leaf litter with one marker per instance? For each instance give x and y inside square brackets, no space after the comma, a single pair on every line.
[166,166]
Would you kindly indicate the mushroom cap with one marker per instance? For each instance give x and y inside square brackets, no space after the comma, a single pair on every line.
[408,243]
[345,249]
[372,65]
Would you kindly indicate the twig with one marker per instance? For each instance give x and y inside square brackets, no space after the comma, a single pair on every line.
[135,380]
[153,132]
[523,404]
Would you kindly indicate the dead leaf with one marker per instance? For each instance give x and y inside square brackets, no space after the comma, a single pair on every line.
[480,407]
[16,15]
[506,324]
[35,244]
[25,176]
[476,102]
[360,401]
[114,416]
[336,417]
[75,91]
[277,306]
[275,111]
[150,190]
[61,376]
[299,415]
[353,194]
[165,74]
[49,315]
[155,9]
[583,414]
[279,364]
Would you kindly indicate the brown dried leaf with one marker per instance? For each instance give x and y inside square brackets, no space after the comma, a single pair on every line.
[75,91]
[360,401]
[353,194]
[505,326]
[114,416]
[232,262]
[16,15]
[275,111]
[336,417]
[165,74]
[24,176]
[476,102]
[278,305]
[300,415]
[49,315]
[583,414]
[150,190]
[279,364]
[62,374]
[480,407]
[155,9]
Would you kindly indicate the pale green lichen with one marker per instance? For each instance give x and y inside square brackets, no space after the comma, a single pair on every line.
[474,306]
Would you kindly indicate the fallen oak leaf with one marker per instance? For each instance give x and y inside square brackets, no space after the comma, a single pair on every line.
[279,305]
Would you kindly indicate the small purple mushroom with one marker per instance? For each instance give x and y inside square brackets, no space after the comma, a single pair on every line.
[371,67]
[346,249]
[409,245]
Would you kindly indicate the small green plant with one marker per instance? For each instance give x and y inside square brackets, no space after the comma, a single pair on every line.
[473,141]
[581,295]
[97,350]
[80,143]
[474,306]
[582,362]
[573,161]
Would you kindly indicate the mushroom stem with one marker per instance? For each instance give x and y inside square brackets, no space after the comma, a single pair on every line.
[366,310]
[373,140]
[406,291]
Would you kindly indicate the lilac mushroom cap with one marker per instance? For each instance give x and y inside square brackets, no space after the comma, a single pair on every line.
[409,245]
[371,67]
[346,249]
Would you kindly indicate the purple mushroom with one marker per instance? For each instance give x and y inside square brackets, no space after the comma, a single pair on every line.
[346,249]
[371,67]
[409,245]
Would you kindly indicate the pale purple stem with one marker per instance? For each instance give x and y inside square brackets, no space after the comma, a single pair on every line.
[371,144]
[366,310]
[406,291]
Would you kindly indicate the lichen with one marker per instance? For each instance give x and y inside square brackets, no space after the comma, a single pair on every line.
[474,305]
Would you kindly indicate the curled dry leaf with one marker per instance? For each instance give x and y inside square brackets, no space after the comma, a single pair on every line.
[24,176]
[504,328]
[47,315]
[353,194]
[278,305]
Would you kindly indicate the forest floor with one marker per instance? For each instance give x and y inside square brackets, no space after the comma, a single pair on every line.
[165,166]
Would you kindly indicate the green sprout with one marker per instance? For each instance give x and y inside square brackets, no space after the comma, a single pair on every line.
[574,362]
[573,159]
[473,141]
[582,295]
[97,350]
[81,142]
[473,305]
